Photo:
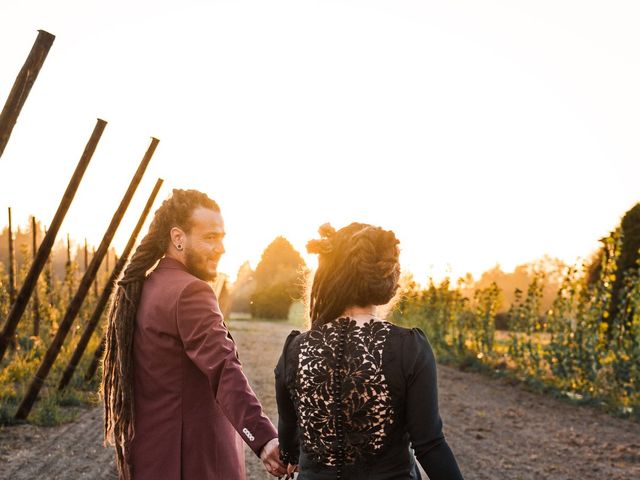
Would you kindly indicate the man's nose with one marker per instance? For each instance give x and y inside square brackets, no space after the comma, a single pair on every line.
[220,248]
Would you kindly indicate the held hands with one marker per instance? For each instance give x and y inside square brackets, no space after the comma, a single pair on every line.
[291,469]
[270,456]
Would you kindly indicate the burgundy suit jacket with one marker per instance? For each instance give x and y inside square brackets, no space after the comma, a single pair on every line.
[193,404]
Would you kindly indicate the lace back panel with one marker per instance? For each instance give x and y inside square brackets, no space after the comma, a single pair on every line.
[341,393]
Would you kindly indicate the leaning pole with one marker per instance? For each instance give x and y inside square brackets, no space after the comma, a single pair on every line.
[22,86]
[20,304]
[106,292]
[85,284]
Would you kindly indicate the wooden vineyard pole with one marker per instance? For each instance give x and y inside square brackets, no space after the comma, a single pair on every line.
[68,272]
[91,371]
[49,277]
[22,86]
[106,293]
[97,355]
[95,283]
[12,265]
[19,306]
[36,299]
[85,284]
[86,255]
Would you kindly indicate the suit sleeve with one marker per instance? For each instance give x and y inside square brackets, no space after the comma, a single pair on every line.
[287,416]
[209,346]
[423,418]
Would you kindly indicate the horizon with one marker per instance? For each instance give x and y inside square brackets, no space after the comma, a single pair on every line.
[77,246]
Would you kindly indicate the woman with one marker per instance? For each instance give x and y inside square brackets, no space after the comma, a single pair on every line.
[355,392]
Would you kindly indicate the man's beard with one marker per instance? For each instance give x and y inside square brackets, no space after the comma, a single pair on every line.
[197,266]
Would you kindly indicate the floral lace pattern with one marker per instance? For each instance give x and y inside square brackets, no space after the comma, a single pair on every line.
[341,394]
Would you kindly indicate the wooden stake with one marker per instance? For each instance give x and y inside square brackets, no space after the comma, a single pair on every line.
[68,250]
[106,293]
[49,276]
[86,255]
[22,86]
[74,306]
[19,306]
[95,362]
[95,283]
[12,264]
[68,271]
[36,298]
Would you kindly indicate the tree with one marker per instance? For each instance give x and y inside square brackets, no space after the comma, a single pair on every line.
[626,262]
[279,280]
[243,288]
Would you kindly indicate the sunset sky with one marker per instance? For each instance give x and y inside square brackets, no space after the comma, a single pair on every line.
[481,132]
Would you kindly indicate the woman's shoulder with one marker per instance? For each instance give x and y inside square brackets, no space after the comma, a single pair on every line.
[411,332]
[287,356]
[411,340]
[293,337]
[415,334]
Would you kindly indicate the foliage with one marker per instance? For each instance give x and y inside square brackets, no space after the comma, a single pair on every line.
[22,359]
[626,260]
[279,280]
[242,290]
[525,325]
[61,256]
[576,347]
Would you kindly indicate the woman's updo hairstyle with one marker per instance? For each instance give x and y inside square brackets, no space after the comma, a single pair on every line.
[357,266]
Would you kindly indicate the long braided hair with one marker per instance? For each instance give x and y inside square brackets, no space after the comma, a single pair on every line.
[117,362]
[358,265]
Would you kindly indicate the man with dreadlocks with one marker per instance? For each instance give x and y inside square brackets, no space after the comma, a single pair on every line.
[177,403]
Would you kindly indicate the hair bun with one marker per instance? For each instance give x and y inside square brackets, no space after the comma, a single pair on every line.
[326,230]
[324,245]
[321,247]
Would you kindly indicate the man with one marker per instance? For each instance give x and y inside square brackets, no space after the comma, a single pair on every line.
[177,403]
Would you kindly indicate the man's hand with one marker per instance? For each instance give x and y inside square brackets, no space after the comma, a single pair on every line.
[270,456]
[291,469]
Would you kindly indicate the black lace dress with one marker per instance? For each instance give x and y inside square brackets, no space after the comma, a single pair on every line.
[353,399]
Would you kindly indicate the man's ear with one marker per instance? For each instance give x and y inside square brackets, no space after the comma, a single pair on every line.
[178,237]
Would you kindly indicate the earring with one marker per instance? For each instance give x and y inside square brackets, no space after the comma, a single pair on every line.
[179,247]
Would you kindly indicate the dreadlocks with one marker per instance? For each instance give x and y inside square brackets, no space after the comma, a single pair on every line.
[117,363]
[357,266]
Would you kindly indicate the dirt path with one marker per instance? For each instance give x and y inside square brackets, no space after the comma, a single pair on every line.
[71,451]
[497,431]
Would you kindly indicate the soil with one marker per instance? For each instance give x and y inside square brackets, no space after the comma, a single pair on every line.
[496,429]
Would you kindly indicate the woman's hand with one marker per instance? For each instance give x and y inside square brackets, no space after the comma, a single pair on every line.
[291,469]
[270,456]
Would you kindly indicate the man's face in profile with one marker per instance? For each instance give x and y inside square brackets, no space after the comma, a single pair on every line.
[204,243]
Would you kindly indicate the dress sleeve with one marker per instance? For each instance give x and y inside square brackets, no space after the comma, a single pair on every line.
[423,418]
[287,416]
[208,344]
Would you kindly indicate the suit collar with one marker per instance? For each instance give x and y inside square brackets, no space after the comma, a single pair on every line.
[172,264]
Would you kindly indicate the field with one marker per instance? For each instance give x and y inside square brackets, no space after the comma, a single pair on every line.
[496,428]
